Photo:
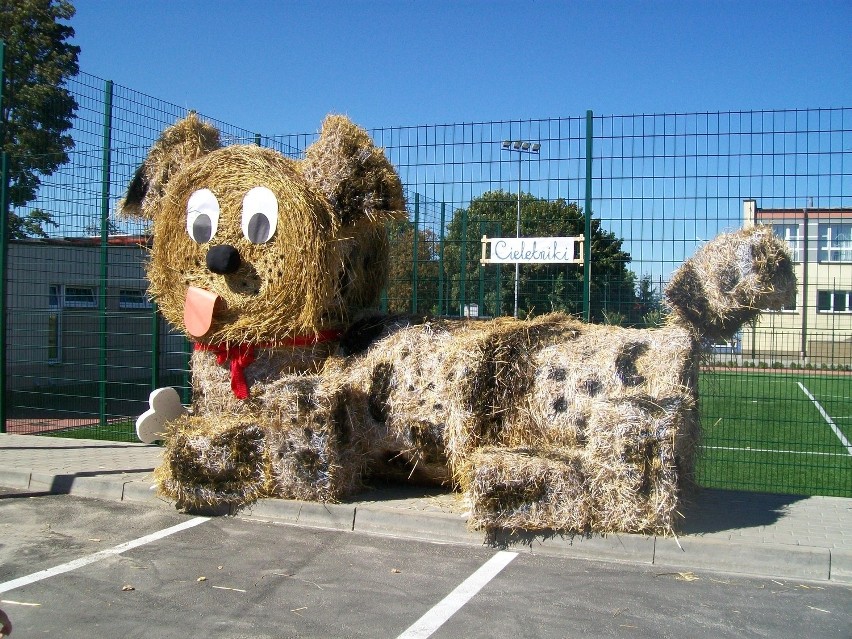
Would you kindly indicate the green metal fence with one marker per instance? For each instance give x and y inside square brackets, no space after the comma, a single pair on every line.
[84,346]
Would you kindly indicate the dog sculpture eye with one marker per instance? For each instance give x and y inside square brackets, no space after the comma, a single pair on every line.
[260,215]
[202,216]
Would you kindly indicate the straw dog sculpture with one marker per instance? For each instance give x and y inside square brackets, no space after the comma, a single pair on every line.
[271,265]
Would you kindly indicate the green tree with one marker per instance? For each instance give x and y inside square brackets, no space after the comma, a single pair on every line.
[542,287]
[37,108]
[401,275]
[30,225]
[648,309]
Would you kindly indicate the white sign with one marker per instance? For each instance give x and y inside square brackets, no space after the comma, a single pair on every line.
[532,250]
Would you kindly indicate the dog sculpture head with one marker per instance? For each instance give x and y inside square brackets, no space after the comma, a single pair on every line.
[250,246]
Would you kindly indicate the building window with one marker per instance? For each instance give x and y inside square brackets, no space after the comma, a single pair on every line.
[60,297]
[834,301]
[790,233]
[835,242]
[54,300]
[133,298]
[789,307]
[80,297]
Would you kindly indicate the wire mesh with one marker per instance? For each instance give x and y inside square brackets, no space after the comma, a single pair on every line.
[85,345]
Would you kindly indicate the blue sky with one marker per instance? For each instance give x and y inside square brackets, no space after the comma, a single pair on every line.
[281,66]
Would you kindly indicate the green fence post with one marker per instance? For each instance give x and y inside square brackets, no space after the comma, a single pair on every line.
[587,232]
[498,303]
[4,244]
[4,251]
[383,296]
[155,347]
[481,296]
[414,255]
[463,260]
[186,393]
[257,139]
[104,279]
[441,301]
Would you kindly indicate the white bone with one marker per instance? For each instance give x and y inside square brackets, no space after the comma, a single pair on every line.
[165,406]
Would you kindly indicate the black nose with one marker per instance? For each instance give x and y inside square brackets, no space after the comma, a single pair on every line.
[223,259]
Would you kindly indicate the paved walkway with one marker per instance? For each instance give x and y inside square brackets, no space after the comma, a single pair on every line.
[778,536]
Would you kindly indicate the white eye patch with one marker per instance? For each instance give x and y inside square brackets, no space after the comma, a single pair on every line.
[260,215]
[202,216]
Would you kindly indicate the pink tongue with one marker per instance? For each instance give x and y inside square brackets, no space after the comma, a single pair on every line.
[198,310]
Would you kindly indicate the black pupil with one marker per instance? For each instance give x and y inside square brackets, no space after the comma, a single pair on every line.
[202,229]
[258,228]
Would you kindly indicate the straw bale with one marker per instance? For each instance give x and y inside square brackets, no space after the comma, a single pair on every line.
[601,362]
[314,445]
[212,394]
[729,280]
[207,462]
[527,489]
[639,457]
[396,393]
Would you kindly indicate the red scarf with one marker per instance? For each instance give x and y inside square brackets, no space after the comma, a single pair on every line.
[242,355]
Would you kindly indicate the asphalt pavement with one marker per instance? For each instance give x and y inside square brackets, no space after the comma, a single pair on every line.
[83,568]
[779,536]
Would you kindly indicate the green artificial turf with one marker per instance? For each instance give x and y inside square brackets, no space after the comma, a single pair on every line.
[761,432]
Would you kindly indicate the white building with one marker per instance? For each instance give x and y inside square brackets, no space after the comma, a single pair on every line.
[817,329]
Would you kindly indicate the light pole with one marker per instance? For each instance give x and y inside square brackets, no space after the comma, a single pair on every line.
[520,147]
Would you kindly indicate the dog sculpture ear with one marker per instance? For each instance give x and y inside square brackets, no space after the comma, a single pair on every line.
[181,143]
[355,175]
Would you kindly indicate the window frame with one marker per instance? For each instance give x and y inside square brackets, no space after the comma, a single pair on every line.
[796,242]
[79,303]
[143,303]
[831,309]
[826,237]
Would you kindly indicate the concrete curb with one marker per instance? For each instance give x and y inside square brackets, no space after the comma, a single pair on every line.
[303,513]
[768,560]
[15,479]
[396,522]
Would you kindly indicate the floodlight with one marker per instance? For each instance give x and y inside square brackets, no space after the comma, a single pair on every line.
[506,144]
[535,147]
[516,145]
[525,145]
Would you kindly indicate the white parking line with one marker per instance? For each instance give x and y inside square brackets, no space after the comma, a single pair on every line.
[775,450]
[449,605]
[827,418]
[103,554]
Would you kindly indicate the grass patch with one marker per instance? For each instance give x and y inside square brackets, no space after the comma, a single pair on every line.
[123,431]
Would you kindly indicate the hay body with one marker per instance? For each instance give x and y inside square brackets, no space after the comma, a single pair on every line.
[546,424]
[448,398]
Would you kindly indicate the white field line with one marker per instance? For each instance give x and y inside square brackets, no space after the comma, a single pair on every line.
[449,605]
[828,419]
[103,554]
[773,450]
